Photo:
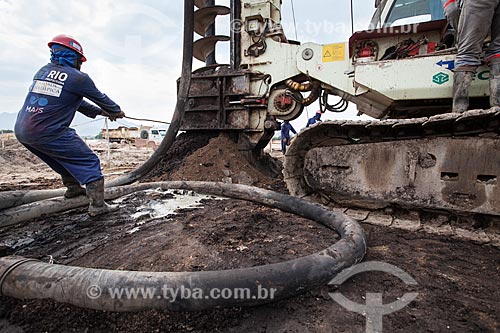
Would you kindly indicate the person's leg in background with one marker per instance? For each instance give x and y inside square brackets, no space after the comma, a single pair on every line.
[284,143]
[493,60]
[474,25]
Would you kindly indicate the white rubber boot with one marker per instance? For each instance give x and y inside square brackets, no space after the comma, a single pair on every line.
[461,85]
[495,85]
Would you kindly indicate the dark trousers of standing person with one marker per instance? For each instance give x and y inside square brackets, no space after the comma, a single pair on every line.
[477,19]
[284,144]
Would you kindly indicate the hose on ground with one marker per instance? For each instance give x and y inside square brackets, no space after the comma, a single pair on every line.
[15,215]
[16,198]
[97,288]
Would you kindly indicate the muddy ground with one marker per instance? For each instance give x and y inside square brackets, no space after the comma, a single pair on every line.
[457,281]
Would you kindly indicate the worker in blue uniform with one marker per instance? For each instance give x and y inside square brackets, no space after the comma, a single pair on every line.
[315,119]
[57,92]
[286,127]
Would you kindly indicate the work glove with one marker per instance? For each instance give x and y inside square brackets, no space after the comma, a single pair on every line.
[113,116]
[452,12]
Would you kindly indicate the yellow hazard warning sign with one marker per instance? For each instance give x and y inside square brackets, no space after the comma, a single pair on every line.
[334,52]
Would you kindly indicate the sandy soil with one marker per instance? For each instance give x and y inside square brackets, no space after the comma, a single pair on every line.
[22,170]
[457,281]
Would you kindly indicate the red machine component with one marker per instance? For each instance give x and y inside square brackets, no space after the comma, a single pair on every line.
[284,102]
[366,52]
[366,49]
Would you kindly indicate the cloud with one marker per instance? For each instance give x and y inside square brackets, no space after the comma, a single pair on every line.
[133,48]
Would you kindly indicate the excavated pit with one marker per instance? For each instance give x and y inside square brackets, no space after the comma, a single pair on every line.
[457,281]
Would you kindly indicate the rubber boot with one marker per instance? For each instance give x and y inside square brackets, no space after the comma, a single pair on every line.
[74,189]
[95,193]
[461,85]
[495,85]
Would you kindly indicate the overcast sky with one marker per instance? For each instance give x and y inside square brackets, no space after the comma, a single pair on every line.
[134,47]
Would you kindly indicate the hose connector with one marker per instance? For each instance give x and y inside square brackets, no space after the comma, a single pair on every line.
[314,95]
[297,86]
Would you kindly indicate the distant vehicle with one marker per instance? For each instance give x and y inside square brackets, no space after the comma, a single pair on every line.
[121,134]
[150,137]
[144,136]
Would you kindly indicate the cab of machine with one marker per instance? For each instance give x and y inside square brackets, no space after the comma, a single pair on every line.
[391,13]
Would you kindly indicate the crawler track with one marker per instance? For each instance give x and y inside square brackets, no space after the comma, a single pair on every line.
[422,163]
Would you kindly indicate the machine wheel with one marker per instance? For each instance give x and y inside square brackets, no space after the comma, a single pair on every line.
[284,104]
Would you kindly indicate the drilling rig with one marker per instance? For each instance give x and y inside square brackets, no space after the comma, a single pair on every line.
[414,153]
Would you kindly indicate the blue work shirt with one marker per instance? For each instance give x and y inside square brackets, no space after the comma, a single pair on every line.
[313,121]
[285,130]
[54,97]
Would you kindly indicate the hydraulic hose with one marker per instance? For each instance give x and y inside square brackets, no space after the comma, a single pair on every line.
[314,87]
[95,288]
[314,95]
[297,86]
[17,198]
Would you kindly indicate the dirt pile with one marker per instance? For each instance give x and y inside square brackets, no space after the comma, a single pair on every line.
[184,145]
[16,154]
[20,169]
[217,159]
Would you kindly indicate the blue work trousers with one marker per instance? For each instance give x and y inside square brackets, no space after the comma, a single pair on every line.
[69,155]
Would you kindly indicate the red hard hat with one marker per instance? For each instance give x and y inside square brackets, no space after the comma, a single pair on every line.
[70,43]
